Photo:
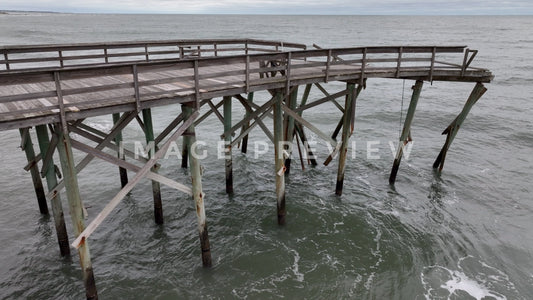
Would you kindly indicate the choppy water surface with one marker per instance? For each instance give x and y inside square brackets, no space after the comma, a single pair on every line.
[464,234]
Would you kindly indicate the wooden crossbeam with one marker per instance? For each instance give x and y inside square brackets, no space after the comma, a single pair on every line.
[307,124]
[49,154]
[323,90]
[259,121]
[129,166]
[140,174]
[123,122]
[249,128]
[320,101]
[252,115]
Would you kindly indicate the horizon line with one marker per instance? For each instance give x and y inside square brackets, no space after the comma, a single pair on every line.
[15,11]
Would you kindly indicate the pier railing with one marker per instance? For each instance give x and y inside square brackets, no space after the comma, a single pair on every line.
[69,93]
[69,55]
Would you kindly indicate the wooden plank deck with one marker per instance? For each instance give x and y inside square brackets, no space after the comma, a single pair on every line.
[29,97]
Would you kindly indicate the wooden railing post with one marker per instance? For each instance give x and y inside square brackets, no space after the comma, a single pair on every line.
[432,64]
[6,61]
[363,66]
[61,63]
[398,65]
[136,88]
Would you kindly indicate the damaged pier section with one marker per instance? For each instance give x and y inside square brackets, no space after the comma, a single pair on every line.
[49,91]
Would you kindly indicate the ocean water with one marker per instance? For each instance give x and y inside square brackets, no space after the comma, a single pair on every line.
[462,234]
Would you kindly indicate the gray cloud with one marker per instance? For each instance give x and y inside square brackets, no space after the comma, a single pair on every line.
[279,6]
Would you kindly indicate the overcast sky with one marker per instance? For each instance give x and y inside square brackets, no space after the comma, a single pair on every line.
[350,7]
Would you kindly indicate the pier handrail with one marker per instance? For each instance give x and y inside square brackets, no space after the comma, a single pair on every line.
[27,57]
[207,77]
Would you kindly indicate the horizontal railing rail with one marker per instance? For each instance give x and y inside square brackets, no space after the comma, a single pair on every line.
[62,55]
[60,92]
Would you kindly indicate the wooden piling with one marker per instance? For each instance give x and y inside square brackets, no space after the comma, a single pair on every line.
[227,145]
[453,128]
[51,180]
[289,129]
[279,159]
[75,205]
[350,101]
[310,155]
[185,148]
[198,195]
[27,147]
[118,140]
[244,146]
[156,188]
[299,129]
[406,131]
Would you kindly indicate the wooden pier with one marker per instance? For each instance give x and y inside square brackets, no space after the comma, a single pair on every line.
[55,88]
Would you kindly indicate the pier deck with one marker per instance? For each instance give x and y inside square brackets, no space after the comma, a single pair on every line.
[54,88]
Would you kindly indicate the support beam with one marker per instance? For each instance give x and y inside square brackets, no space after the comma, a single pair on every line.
[27,147]
[310,155]
[185,147]
[143,172]
[258,120]
[124,120]
[156,187]
[51,181]
[453,128]
[244,147]
[118,140]
[76,210]
[198,195]
[227,145]
[279,160]
[349,114]
[130,167]
[289,129]
[406,131]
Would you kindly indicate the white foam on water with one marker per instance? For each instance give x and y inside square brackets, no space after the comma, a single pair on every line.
[443,283]
[295,268]
[462,282]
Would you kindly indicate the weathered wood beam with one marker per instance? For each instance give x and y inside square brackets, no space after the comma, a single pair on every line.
[322,100]
[289,129]
[227,145]
[123,122]
[406,132]
[310,126]
[132,183]
[76,209]
[108,144]
[349,114]
[253,115]
[323,90]
[156,188]
[252,126]
[48,157]
[244,147]
[51,180]
[215,110]
[310,155]
[198,195]
[258,120]
[27,147]
[118,140]
[453,128]
[279,158]
[129,166]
